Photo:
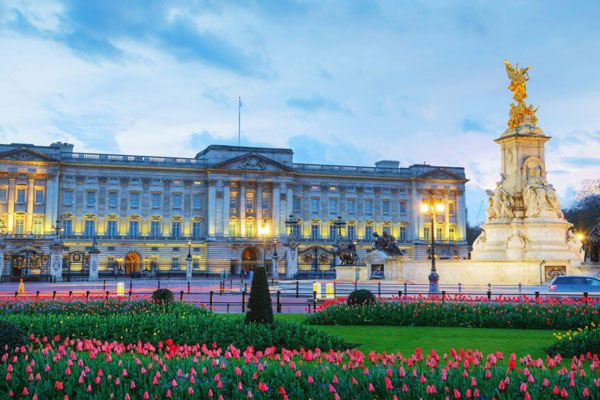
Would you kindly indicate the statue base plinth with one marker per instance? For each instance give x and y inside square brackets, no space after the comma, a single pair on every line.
[527,239]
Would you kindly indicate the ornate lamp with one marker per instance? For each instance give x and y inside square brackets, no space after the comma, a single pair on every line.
[432,206]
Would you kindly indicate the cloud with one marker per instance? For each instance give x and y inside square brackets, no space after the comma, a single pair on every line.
[314,103]
[308,149]
[582,161]
[97,130]
[201,140]
[470,124]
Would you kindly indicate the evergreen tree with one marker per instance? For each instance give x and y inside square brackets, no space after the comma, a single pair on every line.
[260,309]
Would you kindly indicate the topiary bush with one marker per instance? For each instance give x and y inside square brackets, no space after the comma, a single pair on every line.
[11,336]
[361,297]
[260,308]
[162,296]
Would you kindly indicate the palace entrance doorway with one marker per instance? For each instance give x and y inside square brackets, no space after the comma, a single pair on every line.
[132,264]
[249,259]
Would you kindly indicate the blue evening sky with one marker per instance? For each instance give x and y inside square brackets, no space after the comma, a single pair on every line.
[343,82]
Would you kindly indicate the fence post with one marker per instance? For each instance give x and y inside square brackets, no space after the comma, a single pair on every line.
[244,301]
[443,296]
[70,294]
[37,294]
[489,287]
[334,290]
[537,294]
[130,285]
[53,294]
[314,301]
[87,295]
[107,292]
[459,287]
[16,294]
[210,299]
[355,285]
[297,289]
[245,287]
[188,286]
[279,301]
[405,289]
[104,285]
[181,295]
[399,294]
[228,307]
[519,288]
[130,295]
[158,284]
[378,289]
[489,295]
[585,294]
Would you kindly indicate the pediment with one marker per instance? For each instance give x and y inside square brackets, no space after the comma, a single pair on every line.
[25,154]
[441,173]
[252,161]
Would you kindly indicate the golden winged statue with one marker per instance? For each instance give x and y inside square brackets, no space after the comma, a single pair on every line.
[518,85]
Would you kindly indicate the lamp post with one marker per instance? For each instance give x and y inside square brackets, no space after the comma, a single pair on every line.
[432,206]
[264,231]
[291,224]
[188,261]
[275,272]
[339,224]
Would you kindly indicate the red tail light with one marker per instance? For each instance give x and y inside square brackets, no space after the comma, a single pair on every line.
[552,287]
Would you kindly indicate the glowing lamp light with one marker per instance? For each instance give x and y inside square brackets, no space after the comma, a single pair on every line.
[439,207]
[424,208]
[580,236]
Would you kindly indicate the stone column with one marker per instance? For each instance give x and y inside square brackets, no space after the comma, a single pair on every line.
[10,222]
[94,256]
[414,214]
[188,268]
[461,215]
[55,199]
[446,217]
[30,198]
[220,206]
[2,248]
[212,208]
[275,205]
[56,256]
[242,205]
[48,212]
[226,194]
[290,202]
[259,214]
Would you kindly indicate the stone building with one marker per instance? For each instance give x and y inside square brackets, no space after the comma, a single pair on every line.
[226,208]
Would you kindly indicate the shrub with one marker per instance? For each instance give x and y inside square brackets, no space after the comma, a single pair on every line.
[576,343]
[361,297]
[11,336]
[162,296]
[260,308]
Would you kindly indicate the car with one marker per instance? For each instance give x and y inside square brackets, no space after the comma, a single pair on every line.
[577,284]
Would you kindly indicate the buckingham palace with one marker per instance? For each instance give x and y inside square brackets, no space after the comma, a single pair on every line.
[221,212]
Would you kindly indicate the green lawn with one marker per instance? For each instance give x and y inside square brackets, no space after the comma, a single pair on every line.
[407,339]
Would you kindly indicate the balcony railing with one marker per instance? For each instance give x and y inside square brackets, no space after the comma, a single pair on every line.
[130,159]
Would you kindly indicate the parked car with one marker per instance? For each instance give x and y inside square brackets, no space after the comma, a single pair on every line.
[578,284]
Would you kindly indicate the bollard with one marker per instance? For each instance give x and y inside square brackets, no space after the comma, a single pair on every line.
[399,294]
[355,285]
[230,283]
[405,289]
[37,294]
[443,296]
[188,287]
[227,307]
[181,295]
[585,294]
[87,295]
[378,289]
[519,288]
[334,290]
[297,289]
[537,295]
[53,294]
[459,287]
[489,295]
[130,295]
[158,284]
[16,294]
[314,301]
[244,301]
[210,299]
[279,301]
[70,294]
[245,287]
[130,284]
[107,292]
[490,287]
[104,285]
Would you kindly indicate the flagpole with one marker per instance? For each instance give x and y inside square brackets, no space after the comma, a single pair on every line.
[239,119]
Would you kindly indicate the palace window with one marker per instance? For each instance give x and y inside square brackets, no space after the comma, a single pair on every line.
[451,208]
[175,264]
[111,228]
[233,228]
[3,193]
[402,233]
[368,232]
[265,201]
[113,198]
[197,201]
[90,227]
[403,207]
[249,229]
[177,200]
[368,206]
[314,205]
[175,229]
[351,206]
[155,228]
[249,202]
[385,207]
[67,227]
[333,206]
[155,200]
[196,229]
[296,230]
[90,198]
[134,228]
[21,196]
[113,179]
[20,225]
[134,199]
[314,231]
[386,229]
[332,232]
[233,202]
[297,204]
[426,233]
[39,196]
[438,234]
[351,232]
[452,234]
[38,226]
[68,198]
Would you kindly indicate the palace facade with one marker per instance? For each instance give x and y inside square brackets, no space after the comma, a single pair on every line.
[226,208]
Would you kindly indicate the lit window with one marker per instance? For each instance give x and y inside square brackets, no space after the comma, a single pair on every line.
[232,228]
[20,225]
[111,228]
[155,229]
[314,231]
[426,234]
[39,196]
[38,226]
[368,232]
[90,227]
[452,233]
[249,229]
[196,229]
[175,229]
[133,228]
[249,202]
[438,234]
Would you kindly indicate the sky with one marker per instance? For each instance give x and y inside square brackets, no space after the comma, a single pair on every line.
[340,82]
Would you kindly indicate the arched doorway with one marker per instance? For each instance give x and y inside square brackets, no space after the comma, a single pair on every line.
[249,258]
[132,263]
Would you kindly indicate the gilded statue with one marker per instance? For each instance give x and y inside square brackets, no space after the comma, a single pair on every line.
[518,85]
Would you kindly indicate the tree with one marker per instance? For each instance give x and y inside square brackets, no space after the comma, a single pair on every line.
[260,308]
[584,213]
[472,233]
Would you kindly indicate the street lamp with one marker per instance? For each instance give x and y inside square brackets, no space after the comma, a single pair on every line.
[275,272]
[263,231]
[432,206]
[339,224]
